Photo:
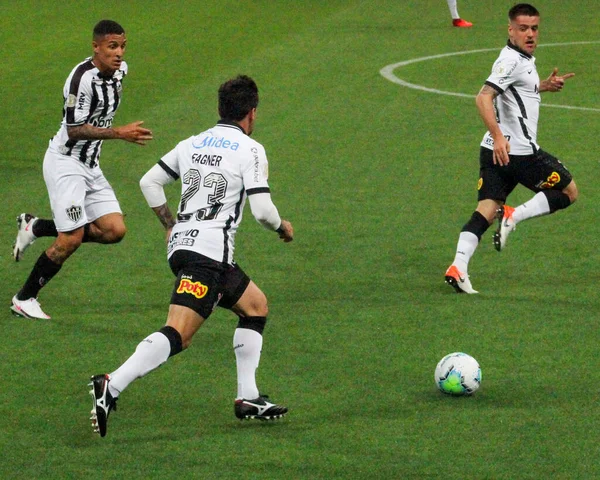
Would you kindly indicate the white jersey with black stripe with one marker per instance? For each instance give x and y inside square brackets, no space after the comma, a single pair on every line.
[89,97]
[218,169]
[514,76]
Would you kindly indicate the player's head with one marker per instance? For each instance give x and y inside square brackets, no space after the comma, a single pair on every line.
[106,27]
[238,98]
[109,44]
[523,25]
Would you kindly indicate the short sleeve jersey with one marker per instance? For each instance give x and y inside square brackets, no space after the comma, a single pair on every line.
[218,169]
[515,78]
[89,97]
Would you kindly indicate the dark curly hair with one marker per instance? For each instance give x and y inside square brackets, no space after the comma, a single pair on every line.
[237,97]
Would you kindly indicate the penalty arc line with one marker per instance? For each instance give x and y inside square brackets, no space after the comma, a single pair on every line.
[388,73]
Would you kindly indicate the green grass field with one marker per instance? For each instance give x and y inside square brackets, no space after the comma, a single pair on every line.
[377,179]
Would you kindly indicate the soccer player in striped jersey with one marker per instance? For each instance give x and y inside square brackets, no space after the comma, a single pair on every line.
[219,169]
[84,205]
[509,104]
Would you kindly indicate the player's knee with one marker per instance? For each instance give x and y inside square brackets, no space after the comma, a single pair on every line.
[262,306]
[257,307]
[572,192]
[116,233]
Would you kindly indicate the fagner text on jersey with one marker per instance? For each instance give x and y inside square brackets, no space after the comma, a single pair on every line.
[204,159]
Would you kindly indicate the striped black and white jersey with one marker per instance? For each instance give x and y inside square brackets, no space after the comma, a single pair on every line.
[89,97]
[218,168]
[515,78]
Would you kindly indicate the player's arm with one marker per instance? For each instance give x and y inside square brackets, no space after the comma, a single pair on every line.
[133,132]
[265,212]
[554,83]
[485,106]
[78,94]
[152,185]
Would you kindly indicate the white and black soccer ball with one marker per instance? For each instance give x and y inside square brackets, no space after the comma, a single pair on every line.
[458,374]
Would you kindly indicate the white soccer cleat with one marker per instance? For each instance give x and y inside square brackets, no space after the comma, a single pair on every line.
[28,308]
[25,236]
[459,281]
[506,224]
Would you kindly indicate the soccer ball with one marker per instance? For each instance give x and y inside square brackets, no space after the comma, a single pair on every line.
[458,374]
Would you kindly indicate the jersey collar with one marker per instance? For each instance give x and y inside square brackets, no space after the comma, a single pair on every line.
[509,44]
[233,124]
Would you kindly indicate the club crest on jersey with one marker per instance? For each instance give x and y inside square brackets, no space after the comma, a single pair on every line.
[552,180]
[196,289]
[74,213]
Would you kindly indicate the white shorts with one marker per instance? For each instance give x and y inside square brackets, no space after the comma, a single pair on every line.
[78,194]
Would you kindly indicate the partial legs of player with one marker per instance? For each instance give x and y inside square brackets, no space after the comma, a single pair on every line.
[456,20]
[107,229]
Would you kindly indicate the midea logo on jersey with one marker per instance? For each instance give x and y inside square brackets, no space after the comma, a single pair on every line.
[215,142]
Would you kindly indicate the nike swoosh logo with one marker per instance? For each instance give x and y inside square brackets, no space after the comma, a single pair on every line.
[530,71]
[461,279]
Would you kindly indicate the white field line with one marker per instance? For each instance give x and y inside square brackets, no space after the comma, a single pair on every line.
[388,73]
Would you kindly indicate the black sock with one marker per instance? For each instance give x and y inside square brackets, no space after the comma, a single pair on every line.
[252,323]
[43,270]
[477,225]
[557,200]
[44,228]
[174,339]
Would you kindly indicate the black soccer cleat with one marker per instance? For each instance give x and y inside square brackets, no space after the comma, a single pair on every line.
[259,408]
[104,402]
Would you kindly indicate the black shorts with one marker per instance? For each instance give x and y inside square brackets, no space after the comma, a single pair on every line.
[537,172]
[203,283]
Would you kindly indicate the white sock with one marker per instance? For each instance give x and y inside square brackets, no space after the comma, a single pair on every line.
[247,345]
[150,354]
[536,207]
[467,243]
[453,9]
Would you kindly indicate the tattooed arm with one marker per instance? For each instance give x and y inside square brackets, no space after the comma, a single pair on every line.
[133,132]
[166,218]
[485,105]
[164,215]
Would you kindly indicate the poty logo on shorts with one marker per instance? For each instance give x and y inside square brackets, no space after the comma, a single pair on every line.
[195,288]
[552,180]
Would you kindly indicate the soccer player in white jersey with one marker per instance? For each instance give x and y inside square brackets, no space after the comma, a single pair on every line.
[219,169]
[84,205]
[509,104]
[456,20]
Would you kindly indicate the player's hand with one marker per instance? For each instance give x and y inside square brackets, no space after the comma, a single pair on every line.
[501,151]
[134,133]
[555,82]
[286,231]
